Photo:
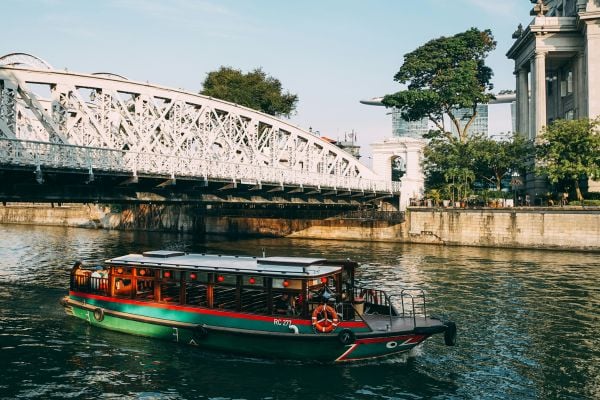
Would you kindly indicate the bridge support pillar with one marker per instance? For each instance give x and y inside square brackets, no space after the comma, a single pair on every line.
[402,154]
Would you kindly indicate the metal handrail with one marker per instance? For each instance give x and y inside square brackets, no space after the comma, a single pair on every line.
[421,294]
[59,155]
[414,314]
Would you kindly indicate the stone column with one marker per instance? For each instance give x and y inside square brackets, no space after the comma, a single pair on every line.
[523,102]
[540,92]
[532,103]
[518,117]
[592,65]
[580,86]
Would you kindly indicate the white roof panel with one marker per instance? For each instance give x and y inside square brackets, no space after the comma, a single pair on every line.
[277,266]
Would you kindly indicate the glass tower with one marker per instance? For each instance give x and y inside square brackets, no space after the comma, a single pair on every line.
[480,125]
[402,128]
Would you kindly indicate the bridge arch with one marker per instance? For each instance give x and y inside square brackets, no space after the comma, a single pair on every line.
[24,59]
[104,121]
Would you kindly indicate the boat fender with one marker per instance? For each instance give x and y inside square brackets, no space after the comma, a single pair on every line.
[294,329]
[346,337]
[99,314]
[199,333]
[450,333]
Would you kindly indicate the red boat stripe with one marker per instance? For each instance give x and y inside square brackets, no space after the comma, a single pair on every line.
[208,311]
[410,339]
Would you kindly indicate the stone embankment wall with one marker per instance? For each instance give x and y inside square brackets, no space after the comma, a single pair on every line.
[543,228]
[334,229]
[84,216]
[142,216]
[186,218]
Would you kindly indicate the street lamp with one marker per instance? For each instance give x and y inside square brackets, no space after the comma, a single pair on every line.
[515,181]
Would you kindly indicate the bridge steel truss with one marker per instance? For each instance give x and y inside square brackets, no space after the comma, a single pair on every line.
[104,123]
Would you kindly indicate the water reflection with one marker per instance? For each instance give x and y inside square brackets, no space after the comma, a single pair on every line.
[528,325]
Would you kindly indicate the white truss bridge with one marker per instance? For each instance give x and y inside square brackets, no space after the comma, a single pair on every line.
[104,122]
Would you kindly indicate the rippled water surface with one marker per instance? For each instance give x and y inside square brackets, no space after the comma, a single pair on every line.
[529,326]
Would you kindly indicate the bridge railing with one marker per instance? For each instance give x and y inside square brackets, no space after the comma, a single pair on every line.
[57,155]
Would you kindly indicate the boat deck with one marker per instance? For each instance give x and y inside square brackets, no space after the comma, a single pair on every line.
[381,323]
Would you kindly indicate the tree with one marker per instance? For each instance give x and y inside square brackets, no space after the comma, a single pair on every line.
[445,162]
[255,90]
[444,75]
[451,165]
[569,149]
[493,160]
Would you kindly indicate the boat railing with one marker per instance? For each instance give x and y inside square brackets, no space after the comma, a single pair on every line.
[89,284]
[412,304]
[371,296]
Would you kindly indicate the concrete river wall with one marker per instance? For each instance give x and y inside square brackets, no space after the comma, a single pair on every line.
[187,218]
[543,228]
[537,228]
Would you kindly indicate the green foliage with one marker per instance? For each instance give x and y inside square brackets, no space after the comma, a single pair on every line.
[456,167]
[589,203]
[493,160]
[569,150]
[255,90]
[445,163]
[435,195]
[443,75]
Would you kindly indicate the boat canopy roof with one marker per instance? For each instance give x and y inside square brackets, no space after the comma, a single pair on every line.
[299,267]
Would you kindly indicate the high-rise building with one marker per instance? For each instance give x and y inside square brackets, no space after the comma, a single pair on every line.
[402,128]
[479,125]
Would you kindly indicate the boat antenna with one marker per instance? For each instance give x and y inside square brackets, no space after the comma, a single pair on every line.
[263,250]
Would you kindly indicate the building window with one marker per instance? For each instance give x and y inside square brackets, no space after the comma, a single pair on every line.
[569,82]
[569,115]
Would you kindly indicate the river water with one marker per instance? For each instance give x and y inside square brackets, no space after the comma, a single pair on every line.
[529,326]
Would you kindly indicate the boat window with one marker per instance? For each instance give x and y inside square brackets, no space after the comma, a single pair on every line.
[282,283]
[195,293]
[223,279]
[170,275]
[287,303]
[252,281]
[254,299]
[225,292]
[197,276]
[123,281]
[145,284]
[169,291]
[144,272]
[121,270]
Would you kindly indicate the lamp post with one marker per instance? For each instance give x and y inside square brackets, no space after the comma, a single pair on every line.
[515,181]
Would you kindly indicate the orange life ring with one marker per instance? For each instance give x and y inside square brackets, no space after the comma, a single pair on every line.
[324,318]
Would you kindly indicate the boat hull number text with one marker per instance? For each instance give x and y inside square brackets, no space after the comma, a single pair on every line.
[282,322]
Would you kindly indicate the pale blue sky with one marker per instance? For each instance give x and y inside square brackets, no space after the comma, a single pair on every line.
[331,53]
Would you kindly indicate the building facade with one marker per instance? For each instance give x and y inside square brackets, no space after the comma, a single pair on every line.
[413,129]
[480,123]
[556,58]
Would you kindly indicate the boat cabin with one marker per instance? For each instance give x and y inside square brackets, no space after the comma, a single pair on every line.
[291,286]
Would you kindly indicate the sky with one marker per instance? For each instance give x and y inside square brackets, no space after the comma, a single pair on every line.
[331,53]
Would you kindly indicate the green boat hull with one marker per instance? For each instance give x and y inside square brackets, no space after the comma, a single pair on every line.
[258,336]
